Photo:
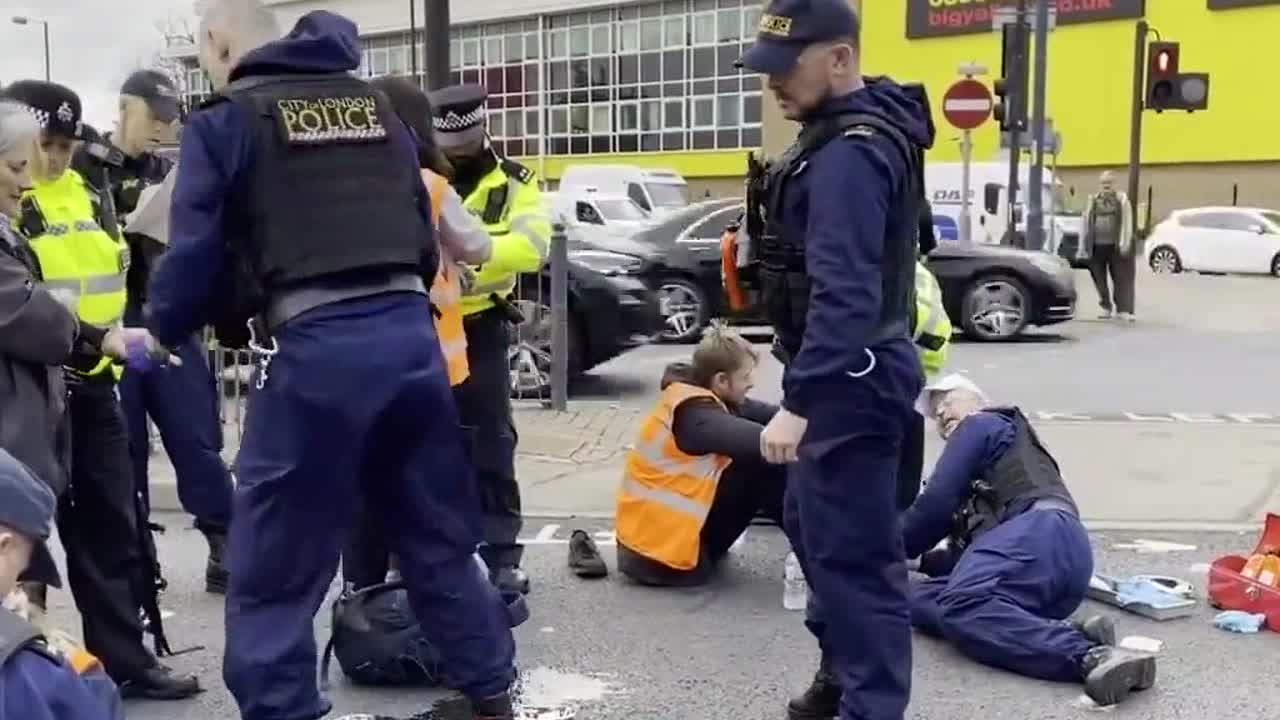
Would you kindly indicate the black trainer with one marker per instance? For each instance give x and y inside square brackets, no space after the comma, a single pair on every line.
[584,557]
[1112,673]
[216,577]
[1099,629]
[821,701]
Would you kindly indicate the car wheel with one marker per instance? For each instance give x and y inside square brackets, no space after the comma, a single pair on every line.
[995,308]
[684,306]
[1275,265]
[529,354]
[1164,260]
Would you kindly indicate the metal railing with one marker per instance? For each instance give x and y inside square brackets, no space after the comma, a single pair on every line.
[538,359]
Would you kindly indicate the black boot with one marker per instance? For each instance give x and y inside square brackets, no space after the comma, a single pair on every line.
[216,576]
[584,557]
[159,683]
[821,701]
[1110,674]
[1099,629]
[494,708]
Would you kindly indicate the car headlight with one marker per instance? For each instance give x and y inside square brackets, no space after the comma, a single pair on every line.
[608,263]
[1051,264]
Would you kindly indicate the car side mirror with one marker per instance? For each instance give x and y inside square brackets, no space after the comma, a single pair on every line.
[1258,229]
[991,198]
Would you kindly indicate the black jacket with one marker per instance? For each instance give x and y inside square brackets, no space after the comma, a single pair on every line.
[702,426]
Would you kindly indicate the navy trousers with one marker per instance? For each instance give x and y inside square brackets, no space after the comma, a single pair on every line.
[840,514]
[183,402]
[356,410]
[1004,601]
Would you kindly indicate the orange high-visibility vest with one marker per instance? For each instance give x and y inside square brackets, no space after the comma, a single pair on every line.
[667,493]
[446,293]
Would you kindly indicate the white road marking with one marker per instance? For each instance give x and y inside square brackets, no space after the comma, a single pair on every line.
[547,532]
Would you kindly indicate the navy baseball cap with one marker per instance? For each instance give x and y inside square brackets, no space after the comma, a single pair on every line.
[157,90]
[26,507]
[787,27]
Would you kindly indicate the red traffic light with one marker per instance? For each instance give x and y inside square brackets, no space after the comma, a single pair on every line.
[1164,59]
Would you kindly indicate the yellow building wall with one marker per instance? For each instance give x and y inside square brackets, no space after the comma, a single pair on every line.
[1091,80]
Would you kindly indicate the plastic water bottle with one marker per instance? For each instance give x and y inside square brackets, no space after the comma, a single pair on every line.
[795,591]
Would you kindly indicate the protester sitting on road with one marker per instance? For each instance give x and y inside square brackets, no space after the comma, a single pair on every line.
[1018,562]
[37,682]
[695,478]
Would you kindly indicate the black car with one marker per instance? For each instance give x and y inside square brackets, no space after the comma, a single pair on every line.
[610,311]
[679,258]
[991,292]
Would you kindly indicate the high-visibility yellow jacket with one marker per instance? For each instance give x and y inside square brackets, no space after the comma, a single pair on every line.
[78,259]
[519,225]
[666,493]
[932,329]
[446,292]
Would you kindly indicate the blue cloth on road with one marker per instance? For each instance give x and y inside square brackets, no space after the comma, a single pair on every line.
[1133,591]
[1238,621]
[183,403]
[357,409]
[216,154]
[36,687]
[840,512]
[975,446]
[1003,603]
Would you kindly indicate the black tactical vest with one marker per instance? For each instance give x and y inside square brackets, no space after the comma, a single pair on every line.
[329,192]
[1026,473]
[784,281]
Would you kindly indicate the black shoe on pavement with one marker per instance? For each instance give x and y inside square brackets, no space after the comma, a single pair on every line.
[584,557]
[510,580]
[1099,629]
[821,701]
[216,577]
[495,708]
[1112,673]
[159,683]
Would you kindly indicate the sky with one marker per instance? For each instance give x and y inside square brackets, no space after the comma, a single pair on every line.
[93,44]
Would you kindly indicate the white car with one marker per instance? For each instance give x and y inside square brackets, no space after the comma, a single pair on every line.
[1217,239]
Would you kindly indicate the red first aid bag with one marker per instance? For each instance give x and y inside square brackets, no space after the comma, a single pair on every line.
[1230,590]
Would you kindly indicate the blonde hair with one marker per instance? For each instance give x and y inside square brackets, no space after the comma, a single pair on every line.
[721,350]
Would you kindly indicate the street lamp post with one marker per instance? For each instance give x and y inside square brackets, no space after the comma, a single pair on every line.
[23,20]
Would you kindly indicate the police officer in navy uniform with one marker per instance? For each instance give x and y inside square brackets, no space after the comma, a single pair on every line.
[1018,563]
[505,196]
[298,193]
[182,402]
[837,268]
[37,683]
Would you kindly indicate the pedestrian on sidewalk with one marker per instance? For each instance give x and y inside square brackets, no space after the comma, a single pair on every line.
[1109,245]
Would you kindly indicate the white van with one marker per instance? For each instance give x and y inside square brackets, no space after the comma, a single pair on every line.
[592,211]
[988,197]
[656,191]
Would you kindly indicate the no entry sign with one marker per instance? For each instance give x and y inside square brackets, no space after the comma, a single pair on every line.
[967,104]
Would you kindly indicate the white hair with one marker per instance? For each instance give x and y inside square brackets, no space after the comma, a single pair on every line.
[250,22]
[17,126]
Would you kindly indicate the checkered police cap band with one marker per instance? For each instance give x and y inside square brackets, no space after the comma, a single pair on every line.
[41,116]
[453,122]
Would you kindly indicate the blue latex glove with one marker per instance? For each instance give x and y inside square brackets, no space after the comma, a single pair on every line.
[1144,591]
[1239,622]
[143,360]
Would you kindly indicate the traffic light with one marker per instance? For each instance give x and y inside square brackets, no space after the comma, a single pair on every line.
[1011,88]
[1168,89]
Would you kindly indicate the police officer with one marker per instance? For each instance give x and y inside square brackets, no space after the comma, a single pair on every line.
[505,195]
[98,515]
[183,402]
[836,266]
[1019,560]
[36,682]
[309,176]
[931,331]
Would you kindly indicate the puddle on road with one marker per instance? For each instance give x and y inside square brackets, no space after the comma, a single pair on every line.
[541,693]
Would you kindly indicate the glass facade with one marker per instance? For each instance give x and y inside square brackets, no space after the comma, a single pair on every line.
[639,77]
